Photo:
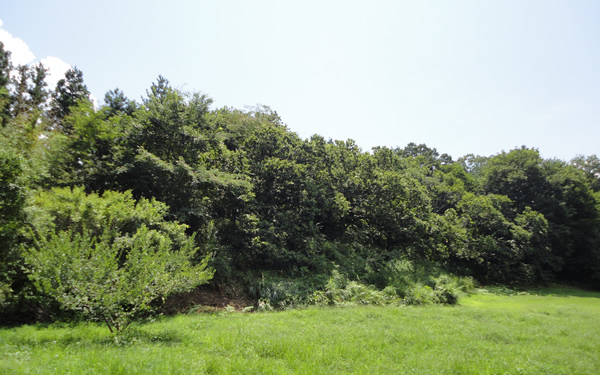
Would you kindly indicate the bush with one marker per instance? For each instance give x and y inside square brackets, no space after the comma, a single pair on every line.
[279,292]
[112,272]
[419,294]
[424,283]
[408,284]
[340,291]
[114,283]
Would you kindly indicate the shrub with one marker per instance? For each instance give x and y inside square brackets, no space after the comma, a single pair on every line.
[408,283]
[113,282]
[279,292]
[340,291]
[112,272]
[424,283]
[419,294]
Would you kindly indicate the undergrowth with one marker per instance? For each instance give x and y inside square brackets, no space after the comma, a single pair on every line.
[400,282]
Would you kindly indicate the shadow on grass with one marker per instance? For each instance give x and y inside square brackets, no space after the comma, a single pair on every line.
[90,334]
[556,290]
[566,291]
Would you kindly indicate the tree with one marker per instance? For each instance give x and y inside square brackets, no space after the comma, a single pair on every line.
[19,98]
[26,96]
[68,92]
[397,210]
[519,175]
[424,156]
[564,195]
[575,219]
[495,249]
[5,66]
[12,200]
[163,148]
[172,123]
[473,164]
[92,149]
[37,88]
[5,69]
[107,256]
[116,103]
[590,165]
[113,282]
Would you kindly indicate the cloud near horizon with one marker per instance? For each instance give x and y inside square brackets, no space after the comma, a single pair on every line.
[56,70]
[22,55]
[20,52]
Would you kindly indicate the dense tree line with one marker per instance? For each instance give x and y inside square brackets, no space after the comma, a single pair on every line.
[262,202]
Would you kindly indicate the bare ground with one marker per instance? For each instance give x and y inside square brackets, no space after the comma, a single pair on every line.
[207,299]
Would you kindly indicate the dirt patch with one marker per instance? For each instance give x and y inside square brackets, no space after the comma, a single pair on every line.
[206,299]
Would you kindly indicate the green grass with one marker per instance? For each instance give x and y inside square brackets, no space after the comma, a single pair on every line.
[554,331]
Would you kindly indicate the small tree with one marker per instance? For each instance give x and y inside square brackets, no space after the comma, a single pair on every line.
[107,256]
[113,282]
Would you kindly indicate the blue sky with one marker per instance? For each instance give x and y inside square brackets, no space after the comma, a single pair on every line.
[464,76]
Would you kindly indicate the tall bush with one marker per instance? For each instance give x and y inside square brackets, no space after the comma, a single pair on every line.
[108,256]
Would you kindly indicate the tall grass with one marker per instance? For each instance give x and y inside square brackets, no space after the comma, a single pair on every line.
[489,333]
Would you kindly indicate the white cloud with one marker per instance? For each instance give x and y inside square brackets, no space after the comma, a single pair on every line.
[21,55]
[94,101]
[57,69]
[20,52]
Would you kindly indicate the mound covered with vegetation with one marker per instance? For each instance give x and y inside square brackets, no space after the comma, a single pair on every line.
[188,189]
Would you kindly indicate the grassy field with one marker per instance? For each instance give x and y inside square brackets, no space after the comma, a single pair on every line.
[550,331]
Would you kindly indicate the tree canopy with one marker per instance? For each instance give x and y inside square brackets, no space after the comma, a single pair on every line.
[243,189]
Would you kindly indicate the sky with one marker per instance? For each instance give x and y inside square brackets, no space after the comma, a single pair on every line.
[461,76]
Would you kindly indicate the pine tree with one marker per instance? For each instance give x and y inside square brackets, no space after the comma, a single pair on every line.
[19,99]
[37,88]
[69,91]
[5,68]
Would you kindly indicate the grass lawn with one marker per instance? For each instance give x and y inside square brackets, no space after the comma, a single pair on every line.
[549,331]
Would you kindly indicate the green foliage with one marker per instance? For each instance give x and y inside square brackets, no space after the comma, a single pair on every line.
[518,175]
[109,256]
[421,282]
[112,213]
[90,153]
[38,149]
[114,281]
[12,218]
[116,103]
[68,93]
[5,70]
[496,249]
[407,284]
[283,293]
[171,125]
[564,195]
[37,87]
[263,201]
[590,165]
[12,195]
[340,291]
[19,100]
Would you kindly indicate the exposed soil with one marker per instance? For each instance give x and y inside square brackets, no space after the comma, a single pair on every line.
[206,299]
